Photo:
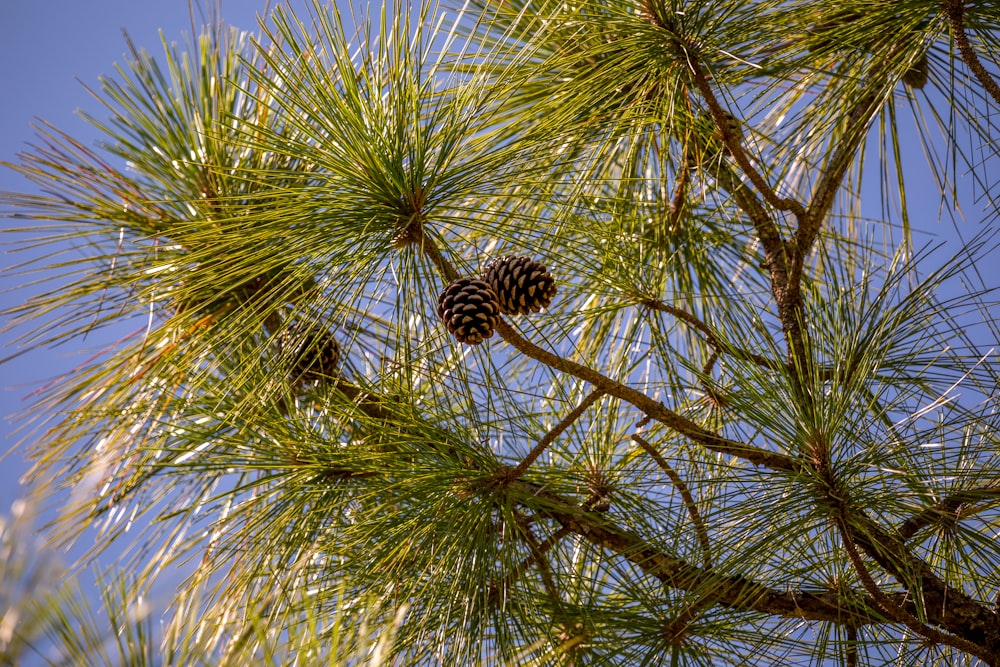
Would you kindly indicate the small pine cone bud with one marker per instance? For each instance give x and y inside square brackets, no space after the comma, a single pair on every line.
[469,309]
[823,35]
[313,351]
[916,76]
[522,285]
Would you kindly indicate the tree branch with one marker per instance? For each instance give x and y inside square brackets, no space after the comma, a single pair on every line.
[710,336]
[538,557]
[956,16]
[443,266]
[723,589]
[734,144]
[654,409]
[554,433]
[811,223]
[729,138]
[896,612]
[681,487]
[945,606]
[679,200]
[970,623]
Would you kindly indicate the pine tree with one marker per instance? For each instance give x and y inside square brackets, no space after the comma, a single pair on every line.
[755,424]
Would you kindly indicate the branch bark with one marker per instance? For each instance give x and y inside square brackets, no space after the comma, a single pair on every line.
[944,605]
[710,337]
[723,589]
[682,489]
[898,613]
[554,433]
[947,509]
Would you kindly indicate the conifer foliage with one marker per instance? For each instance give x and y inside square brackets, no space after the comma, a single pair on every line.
[710,403]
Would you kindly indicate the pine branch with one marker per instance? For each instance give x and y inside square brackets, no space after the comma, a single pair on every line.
[944,605]
[710,336]
[956,16]
[857,123]
[606,385]
[552,434]
[679,200]
[974,629]
[538,558]
[731,140]
[652,408]
[732,591]
[899,614]
[543,547]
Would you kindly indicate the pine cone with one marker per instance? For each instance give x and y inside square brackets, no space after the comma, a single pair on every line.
[313,351]
[470,310]
[522,285]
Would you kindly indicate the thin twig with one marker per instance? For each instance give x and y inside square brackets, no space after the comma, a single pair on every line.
[732,141]
[569,629]
[713,394]
[729,138]
[956,15]
[675,630]
[710,336]
[949,507]
[682,488]
[679,199]
[430,249]
[538,557]
[543,547]
[554,433]
[857,124]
